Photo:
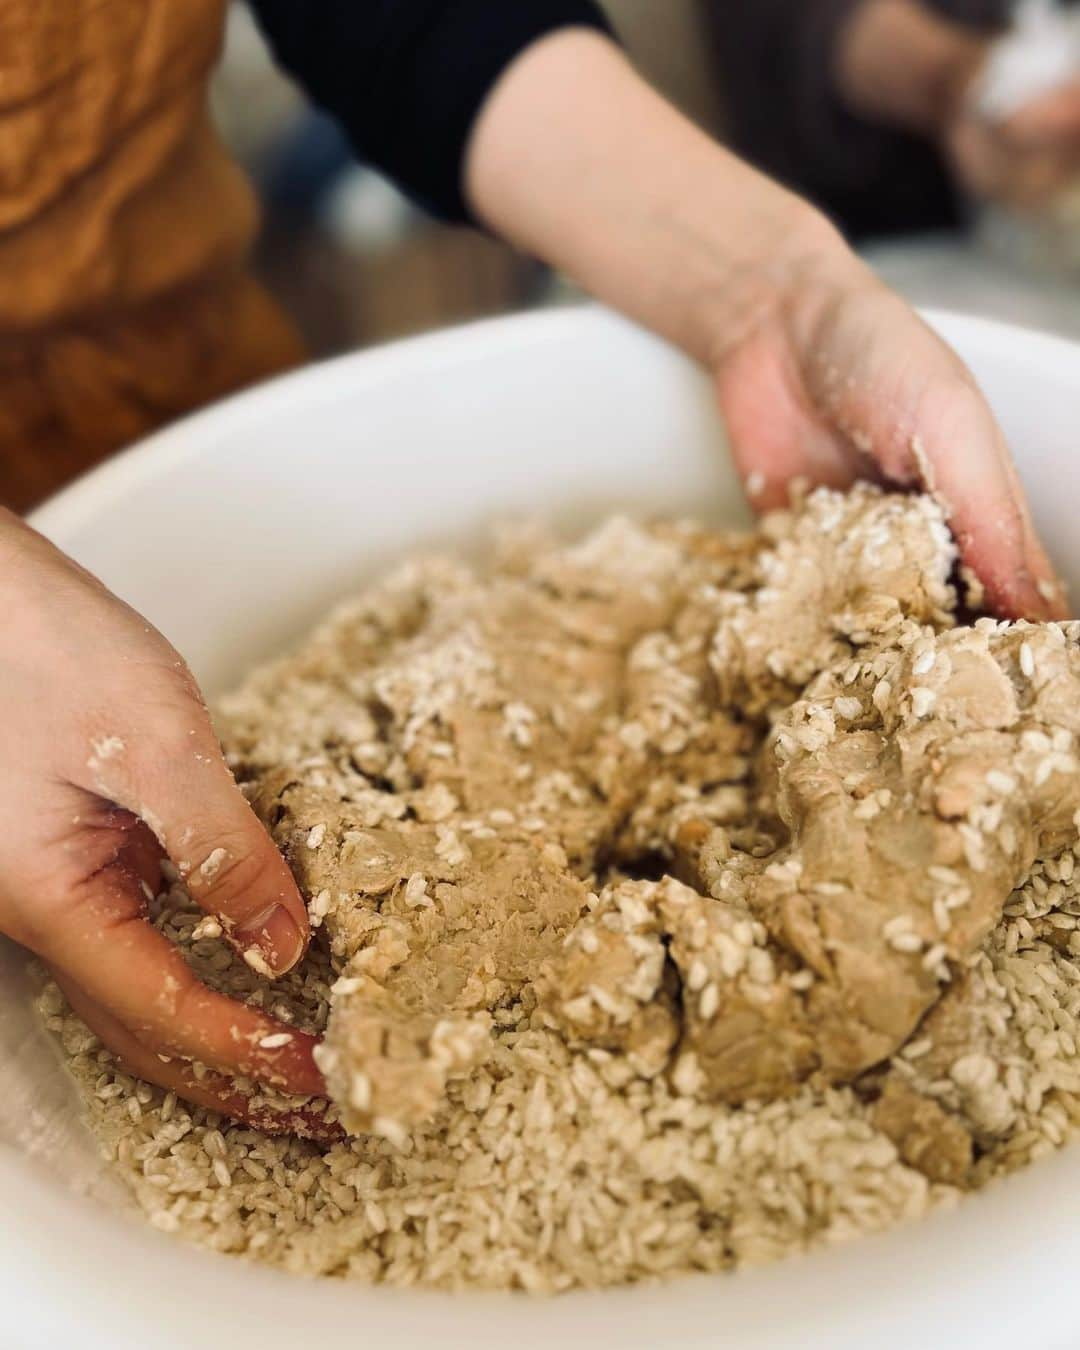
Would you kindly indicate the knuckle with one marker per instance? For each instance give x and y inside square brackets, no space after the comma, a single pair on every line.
[175,724]
[178,679]
[233,878]
[168,707]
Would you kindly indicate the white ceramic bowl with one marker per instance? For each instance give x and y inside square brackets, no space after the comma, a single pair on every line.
[236,527]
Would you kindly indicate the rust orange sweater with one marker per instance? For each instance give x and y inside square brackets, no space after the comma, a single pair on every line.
[124,229]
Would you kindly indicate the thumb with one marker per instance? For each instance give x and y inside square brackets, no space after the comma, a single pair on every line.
[175,778]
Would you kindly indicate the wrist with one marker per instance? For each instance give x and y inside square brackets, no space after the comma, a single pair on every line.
[577,160]
[776,271]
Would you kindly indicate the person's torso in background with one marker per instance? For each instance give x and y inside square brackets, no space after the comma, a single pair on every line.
[113,186]
[125,295]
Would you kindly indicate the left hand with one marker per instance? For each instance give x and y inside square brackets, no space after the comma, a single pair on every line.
[111,763]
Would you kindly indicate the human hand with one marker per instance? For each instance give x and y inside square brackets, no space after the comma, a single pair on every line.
[822,373]
[110,763]
[829,376]
[1024,161]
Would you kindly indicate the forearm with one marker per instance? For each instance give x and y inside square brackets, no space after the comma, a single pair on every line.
[899,63]
[575,159]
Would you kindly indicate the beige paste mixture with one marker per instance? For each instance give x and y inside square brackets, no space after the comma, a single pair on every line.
[682,899]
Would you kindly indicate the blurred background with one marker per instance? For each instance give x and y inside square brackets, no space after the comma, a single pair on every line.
[943,136]
[349,257]
[355,263]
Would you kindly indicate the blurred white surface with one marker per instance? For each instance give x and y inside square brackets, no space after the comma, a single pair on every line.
[949,272]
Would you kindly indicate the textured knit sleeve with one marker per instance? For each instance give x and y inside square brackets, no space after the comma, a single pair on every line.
[406,78]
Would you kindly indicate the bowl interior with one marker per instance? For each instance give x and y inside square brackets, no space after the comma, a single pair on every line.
[234,529]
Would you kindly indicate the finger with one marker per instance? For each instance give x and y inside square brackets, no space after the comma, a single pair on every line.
[1047,584]
[97,936]
[926,423]
[776,438]
[989,514]
[171,773]
[959,455]
[141,854]
[212,1091]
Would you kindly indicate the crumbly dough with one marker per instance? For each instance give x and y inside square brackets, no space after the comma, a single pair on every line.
[682,901]
[741,810]
[502,737]
[916,780]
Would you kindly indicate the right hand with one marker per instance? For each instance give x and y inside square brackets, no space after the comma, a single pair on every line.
[110,763]
[821,372]
[833,378]
[1023,162]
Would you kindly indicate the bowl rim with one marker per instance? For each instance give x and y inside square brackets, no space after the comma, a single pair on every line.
[184,438]
[881,1274]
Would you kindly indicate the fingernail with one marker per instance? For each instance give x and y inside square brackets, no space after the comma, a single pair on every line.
[275,935]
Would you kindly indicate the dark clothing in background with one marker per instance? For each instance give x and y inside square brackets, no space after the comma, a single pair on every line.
[125,294]
[776,61]
[406,78]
